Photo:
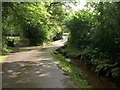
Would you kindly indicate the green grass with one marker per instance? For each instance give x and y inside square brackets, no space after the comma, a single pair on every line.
[73,72]
[72,52]
[3,58]
[33,47]
[6,51]
[28,48]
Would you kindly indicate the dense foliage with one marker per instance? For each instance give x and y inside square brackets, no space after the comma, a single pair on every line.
[34,22]
[79,26]
[96,35]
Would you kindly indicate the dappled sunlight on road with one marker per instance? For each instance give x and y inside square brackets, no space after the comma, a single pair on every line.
[25,72]
[45,75]
[34,69]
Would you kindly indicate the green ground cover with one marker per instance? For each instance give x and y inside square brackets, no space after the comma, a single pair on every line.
[72,71]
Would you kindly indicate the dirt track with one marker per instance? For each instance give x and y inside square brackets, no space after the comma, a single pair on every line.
[34,69]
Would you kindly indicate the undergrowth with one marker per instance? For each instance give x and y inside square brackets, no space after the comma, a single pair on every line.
[99,63]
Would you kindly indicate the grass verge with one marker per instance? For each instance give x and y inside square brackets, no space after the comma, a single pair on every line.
[71,52]
[33,47]
[3,58]
[28,48]
[72,71]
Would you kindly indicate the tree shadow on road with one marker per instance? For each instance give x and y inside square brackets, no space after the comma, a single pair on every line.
[22,73]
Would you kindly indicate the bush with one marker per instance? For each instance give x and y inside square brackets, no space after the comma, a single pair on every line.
[79,27]
[35,34]
[96,35]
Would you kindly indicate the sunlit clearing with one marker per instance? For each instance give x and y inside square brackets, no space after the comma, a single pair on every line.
[44,74]
[79,5]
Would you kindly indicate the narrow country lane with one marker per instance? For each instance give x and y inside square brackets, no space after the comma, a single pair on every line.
[34,69]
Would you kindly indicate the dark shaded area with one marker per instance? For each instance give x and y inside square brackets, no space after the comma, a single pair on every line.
[97,81]
[58,36]
[34,33]
[10,43]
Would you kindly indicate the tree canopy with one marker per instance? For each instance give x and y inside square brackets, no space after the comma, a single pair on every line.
[34,20]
